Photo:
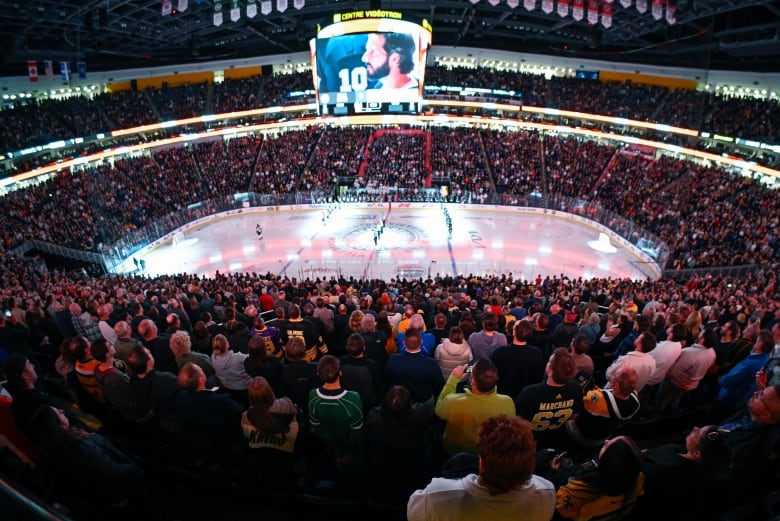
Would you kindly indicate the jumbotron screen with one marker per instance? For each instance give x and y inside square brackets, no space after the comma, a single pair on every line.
[370,61]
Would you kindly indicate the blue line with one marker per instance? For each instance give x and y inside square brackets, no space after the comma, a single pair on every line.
[452,256]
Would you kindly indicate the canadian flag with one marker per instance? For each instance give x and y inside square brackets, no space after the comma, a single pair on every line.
[32,71]
[606,13]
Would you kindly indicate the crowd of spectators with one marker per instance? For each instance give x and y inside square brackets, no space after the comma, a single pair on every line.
[36,122]
[458,154]
[127,108]
[282,159]
[709,216]
[339,153]
[396,158]
[181,101]
[225,167]
[237,94]
[682,202]
[574,165]
[396,409]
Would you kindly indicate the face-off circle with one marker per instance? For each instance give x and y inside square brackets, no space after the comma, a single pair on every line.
[391,237]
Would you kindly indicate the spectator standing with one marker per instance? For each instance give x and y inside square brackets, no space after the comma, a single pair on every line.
[519,363]
[465,411]
[548,405]
[452,352]
[413,369]
[484,343]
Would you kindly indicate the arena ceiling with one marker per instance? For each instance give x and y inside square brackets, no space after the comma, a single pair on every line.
[124,34]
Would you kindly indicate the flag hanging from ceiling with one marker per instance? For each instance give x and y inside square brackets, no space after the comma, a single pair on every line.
[281,5]
[547,6]
[563,8]
[513,3]
[32,71]
[625,3]
[641,6]
[606,13]
[494,2]
[658,9]
[48,70]
[474,1]
[167,7]
[298,4]
[671,18]
[218,12]
[235,11]
[578,9]
[266,6]
[81,68]
[251,8]
[183,5]
[65,71]
[529,5]
[593,12]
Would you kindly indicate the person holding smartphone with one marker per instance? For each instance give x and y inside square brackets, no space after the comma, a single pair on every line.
[465,411]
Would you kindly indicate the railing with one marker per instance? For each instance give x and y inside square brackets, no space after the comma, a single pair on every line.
[727,271]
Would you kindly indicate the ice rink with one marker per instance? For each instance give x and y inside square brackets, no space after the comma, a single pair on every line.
[350,240]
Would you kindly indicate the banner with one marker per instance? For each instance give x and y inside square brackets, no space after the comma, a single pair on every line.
[235,11]
[183,5]
[251,8]
[641,6]
[658,9]
[547,6]
[65,71]
[563,8]
[218,12]
[48,70]
[32,71]
[606,13]
[167,7]
[298,4]
[578,9]
[513,3]
[494,2]
[266,6]
[671,18]
[593,12]
[81,67]
[625,3]
[281,5]
[529,5]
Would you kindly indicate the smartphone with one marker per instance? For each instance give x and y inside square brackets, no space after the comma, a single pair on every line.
[8,313]
[468,369]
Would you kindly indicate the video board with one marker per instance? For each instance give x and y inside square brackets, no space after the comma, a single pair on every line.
[370,62]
